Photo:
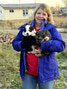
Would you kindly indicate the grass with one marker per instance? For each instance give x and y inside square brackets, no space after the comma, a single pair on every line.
[9,69]
[12,24]
[61,81]
[60,21]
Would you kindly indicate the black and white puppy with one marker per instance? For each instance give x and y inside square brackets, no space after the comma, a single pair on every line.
[28,34]
[42,35]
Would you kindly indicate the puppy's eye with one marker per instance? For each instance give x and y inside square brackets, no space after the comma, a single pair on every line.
[43,36]
[30,30]
[38,36]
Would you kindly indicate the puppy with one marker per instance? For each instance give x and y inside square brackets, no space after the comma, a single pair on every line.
[29,33]
[42,35]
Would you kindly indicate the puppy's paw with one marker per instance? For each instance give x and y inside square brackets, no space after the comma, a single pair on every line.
[46,38]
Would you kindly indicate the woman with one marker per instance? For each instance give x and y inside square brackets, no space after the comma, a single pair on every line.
[34,70]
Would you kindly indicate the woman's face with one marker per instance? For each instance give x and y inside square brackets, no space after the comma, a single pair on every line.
[40,15]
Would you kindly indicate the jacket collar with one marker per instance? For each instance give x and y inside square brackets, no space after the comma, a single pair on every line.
[43,23]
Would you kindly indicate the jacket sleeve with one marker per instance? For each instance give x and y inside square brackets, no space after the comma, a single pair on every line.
[55,45]
[16,43]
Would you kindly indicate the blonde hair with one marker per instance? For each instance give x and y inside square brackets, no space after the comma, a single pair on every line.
[45,8]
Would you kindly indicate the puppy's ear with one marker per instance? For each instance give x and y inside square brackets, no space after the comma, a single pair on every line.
[31,27]
[24,29]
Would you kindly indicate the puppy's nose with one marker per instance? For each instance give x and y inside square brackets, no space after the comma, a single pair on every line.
[27,34]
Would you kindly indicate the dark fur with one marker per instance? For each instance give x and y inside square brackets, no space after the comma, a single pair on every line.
[28,41]
[41,35]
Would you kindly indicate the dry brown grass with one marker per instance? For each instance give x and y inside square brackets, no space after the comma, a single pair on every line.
[60,21]
[11,24]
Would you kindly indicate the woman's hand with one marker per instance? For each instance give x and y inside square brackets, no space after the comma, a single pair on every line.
[38,52]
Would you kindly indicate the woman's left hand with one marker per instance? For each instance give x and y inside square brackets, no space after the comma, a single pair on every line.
[37,52]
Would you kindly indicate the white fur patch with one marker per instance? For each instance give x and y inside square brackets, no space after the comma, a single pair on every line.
[28,32]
